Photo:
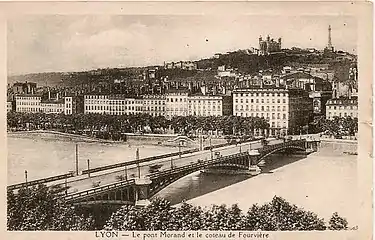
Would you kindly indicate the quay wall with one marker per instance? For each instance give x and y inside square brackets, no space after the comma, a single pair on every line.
[338,146]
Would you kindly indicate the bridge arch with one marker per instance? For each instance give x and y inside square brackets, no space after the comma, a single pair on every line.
[161,182]
[294,147]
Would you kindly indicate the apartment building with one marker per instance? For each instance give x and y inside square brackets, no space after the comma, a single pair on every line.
[133,106]
[69,105]
[209,105]
[286,110]
[28,103]
[112,104]
[176,103]
[96,104]
[154,105]
[342,107]
[9,106]
[52,106]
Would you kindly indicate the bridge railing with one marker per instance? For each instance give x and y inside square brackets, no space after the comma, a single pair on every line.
[269,148]
[98,189]
[149,159]
[133,162]
[196,165]
[40,181]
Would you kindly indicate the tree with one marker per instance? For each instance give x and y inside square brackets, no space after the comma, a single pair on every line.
[277,215]
[337,223]
[39,208]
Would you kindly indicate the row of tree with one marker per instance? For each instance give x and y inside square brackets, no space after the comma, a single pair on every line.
[110,126]
[338,126]
[39,208]
[277,215]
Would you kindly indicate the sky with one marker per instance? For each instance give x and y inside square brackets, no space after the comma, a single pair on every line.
[47,43]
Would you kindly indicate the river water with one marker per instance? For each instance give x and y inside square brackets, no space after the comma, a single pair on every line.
[42,155]
[320,183]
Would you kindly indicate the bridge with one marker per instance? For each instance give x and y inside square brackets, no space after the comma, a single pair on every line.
[137,190]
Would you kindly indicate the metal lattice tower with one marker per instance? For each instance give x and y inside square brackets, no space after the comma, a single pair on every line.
[329,37]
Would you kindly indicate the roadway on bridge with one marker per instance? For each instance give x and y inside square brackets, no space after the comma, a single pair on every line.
[100,179]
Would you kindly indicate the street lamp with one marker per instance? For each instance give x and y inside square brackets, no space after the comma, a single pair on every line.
[26,177]
[88,167]
[179,148]
[66,185]
[77,159]
[211,148]
[126,173]
[137,158]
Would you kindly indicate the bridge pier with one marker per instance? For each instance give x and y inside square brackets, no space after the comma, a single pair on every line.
[253,159]
[142,191]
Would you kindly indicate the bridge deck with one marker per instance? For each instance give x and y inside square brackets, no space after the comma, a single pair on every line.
[186,168]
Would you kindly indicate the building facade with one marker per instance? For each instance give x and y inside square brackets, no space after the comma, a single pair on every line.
[342,107]
[49,107]
[208,105]
[28,103]
[96,104]
[9,106]
[176,104]
[286,110]
[154,105]
[112,104]
[133,106]
[70,105]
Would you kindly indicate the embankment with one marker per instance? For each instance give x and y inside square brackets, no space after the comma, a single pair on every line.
[338,146]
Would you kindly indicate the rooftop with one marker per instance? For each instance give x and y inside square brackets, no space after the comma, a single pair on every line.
[343,101]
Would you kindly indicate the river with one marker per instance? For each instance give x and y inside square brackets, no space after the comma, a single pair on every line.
[323,183]
[42,155]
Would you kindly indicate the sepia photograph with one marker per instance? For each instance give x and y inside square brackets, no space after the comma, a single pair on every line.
[173,123]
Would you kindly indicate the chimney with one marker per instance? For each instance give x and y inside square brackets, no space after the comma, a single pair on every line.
[49,94]
[57,96]
[261,83]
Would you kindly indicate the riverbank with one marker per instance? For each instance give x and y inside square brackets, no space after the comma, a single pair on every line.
[319,183]
[54,135]
[165,140]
